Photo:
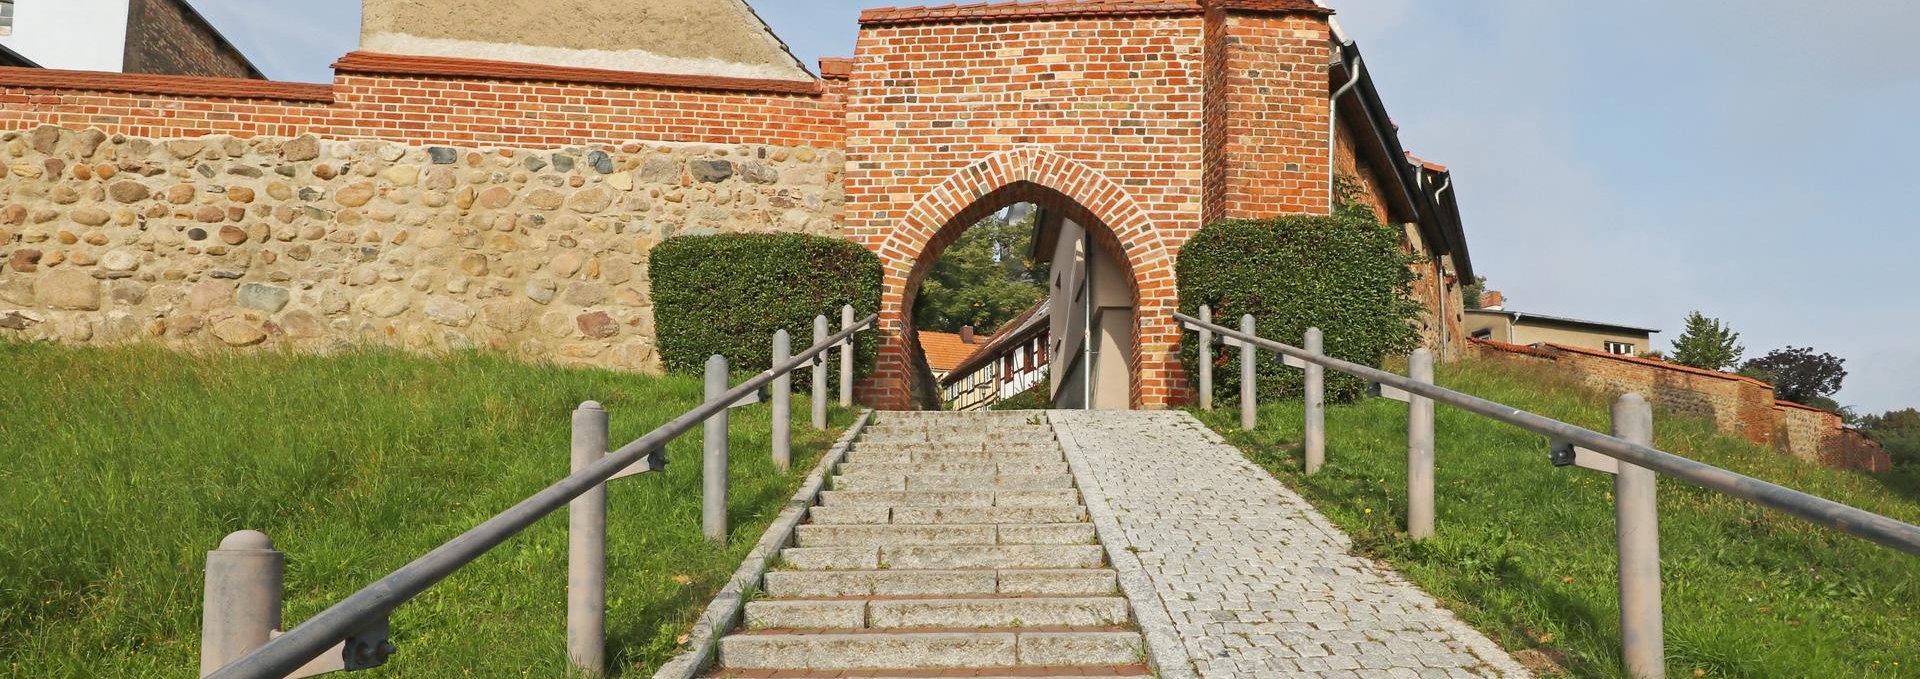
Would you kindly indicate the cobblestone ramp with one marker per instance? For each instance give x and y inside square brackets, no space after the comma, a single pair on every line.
[948,544]
[1234,575]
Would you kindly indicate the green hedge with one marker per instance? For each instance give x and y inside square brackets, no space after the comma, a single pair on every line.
[727,294]
[1345,274]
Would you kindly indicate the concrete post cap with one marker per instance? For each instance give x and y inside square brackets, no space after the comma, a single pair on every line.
[246,539]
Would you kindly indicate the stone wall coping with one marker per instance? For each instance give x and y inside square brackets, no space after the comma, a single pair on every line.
[836,68]
[455,67]
[724,613]
[1662,365]
[175,85]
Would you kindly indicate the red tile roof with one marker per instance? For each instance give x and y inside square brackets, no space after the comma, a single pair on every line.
[1430,165]
[944,350]
[994,345]
[176,85]
[1065,9]
[397,64]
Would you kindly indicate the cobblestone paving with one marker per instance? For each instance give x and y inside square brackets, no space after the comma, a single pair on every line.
[1251,579]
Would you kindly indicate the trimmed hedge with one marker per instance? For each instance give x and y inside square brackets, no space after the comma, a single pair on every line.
[727,294]
[1345,274]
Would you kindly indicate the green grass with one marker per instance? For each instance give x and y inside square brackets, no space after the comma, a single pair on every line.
[1525,551]
[120,468]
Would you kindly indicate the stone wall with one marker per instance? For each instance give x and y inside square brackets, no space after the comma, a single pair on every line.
[310,243]
[1737,405]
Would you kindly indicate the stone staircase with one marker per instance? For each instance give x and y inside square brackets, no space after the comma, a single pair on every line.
[949,544]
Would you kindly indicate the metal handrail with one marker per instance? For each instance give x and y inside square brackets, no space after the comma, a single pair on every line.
[288,652]
[1821,511]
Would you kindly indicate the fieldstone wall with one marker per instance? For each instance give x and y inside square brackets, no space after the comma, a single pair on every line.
[318,244]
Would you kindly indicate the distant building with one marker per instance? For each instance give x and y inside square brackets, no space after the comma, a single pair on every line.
[1012,361]
[946,350]
[1517,327]
[162,37]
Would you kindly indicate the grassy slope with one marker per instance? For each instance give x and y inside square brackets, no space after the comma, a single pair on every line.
[1525,551]
[123,466]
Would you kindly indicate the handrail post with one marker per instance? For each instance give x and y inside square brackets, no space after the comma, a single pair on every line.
[819,374]
[1637,527]
[587,548]
[1206,358]
[1420,449]
[1314,430]
[245,576]
[1248,405]
[713,507]
[782,403]
[846,358]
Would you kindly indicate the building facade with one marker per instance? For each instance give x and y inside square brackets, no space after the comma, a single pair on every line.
[1015,360]
[485,183]
[161,37]
[1516,327]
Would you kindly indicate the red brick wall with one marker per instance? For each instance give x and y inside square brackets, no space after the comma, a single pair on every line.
[167,36]
[1276,145]
[1737,405]
[1103,112]
[538,112]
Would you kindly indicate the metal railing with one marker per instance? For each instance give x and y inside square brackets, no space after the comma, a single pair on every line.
[1628,453]
[244,576]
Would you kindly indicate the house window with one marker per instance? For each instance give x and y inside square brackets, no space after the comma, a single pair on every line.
[1483,334]
[6,17]
[1620,348]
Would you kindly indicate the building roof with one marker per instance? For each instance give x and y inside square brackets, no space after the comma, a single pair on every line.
[1521,316]
[944,350]
[11,58]
[1020,328]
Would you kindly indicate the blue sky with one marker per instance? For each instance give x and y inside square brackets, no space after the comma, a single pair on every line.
[1624,161]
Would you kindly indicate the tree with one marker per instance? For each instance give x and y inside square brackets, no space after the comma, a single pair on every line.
[1474,291]
[1798,374]
[1898,431]
[1707,344]
[984,279]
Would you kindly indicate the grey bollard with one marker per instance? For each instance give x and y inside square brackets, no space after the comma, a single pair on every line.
[587,548]
[713,498]
[846,358]
[1420,449]
[782,403]
[1248,405]
[1206,358]
[242,600]
[1314,430]
[1637,527]
[820,374]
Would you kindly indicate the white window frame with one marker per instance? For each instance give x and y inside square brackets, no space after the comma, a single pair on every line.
[1616,348]
[6,21]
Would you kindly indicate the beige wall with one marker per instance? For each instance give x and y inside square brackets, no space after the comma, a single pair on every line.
[1534,331]
[695,37]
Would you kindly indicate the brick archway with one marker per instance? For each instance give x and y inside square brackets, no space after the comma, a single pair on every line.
[1056,183]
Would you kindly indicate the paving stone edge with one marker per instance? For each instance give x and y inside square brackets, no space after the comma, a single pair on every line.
[724,613]
[1165,653]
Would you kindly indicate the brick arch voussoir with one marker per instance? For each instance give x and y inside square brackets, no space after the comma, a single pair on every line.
[1107,200]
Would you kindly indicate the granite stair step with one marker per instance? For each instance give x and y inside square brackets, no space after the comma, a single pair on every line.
[886,649]
[867,583]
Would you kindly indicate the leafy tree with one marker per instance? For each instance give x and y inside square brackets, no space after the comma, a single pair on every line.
[1798,374]
[984,279]
[1898,431]
[1707,344]
[1474,291]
